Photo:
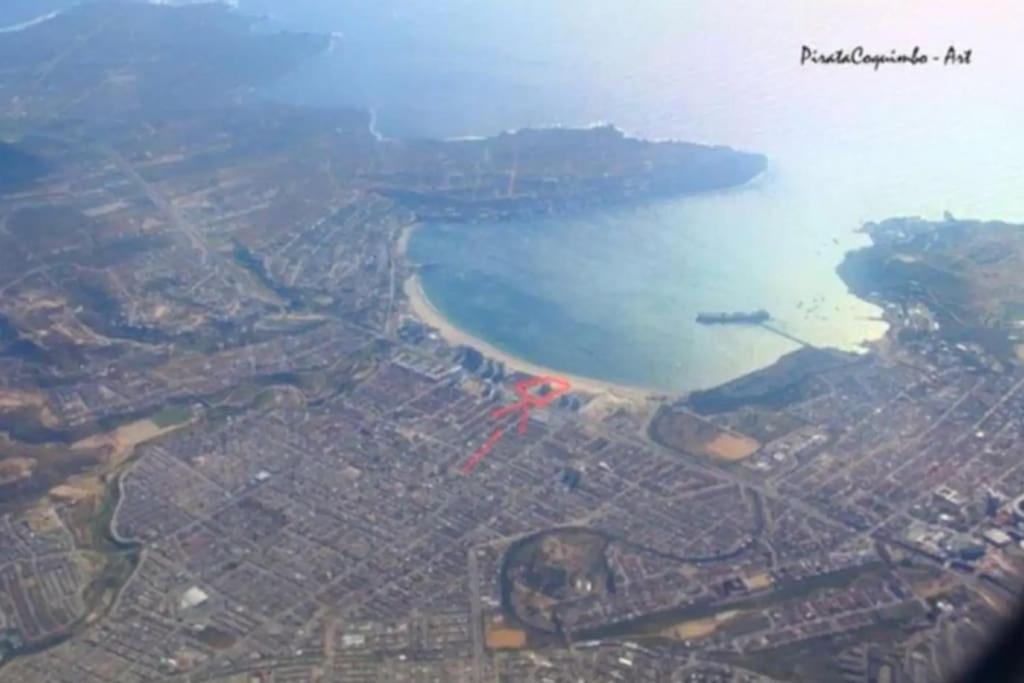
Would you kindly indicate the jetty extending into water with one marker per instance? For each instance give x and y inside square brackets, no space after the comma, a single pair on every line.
[787,335]
[760,318]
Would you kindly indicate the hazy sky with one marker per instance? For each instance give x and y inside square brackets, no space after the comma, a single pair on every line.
[731,60]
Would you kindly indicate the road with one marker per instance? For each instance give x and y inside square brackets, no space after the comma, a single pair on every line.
[169,210]
[476,623]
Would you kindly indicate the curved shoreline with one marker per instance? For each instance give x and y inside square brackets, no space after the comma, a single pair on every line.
[423,309]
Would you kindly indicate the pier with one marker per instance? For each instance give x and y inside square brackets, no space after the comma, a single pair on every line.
[787,335]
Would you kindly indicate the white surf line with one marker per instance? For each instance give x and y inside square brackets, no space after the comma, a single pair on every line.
[14,28]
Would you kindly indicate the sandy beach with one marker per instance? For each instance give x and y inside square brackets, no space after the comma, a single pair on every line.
[422,308]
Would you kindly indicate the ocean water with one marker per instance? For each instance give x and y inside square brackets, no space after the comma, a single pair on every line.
[613,294]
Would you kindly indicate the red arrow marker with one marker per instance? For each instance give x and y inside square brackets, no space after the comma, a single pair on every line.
[527,402]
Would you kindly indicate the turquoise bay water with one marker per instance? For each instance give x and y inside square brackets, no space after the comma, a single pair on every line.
[613,294]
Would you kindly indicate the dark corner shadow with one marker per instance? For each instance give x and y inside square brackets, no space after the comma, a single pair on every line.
[1003,662]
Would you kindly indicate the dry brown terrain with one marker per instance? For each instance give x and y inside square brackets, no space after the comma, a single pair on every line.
[689,433]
